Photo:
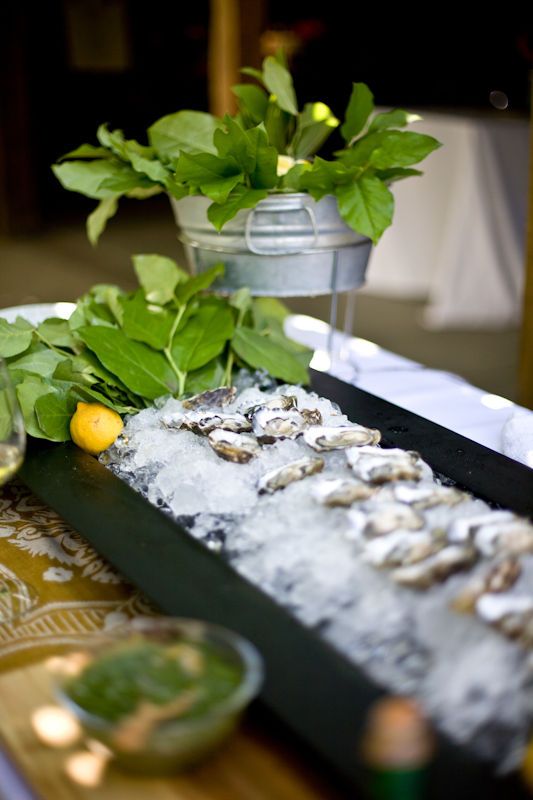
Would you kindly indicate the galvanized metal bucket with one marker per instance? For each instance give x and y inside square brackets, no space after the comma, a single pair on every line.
[289,245]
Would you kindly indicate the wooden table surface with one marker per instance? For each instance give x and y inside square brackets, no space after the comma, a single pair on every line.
[253,765]
[79,594]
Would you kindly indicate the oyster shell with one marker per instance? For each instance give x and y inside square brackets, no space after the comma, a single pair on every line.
[341,491]
[323,438]
[464,529]
[312,416]
[423,497]
[213,398]
[280,402]
[270,424]
[512,615]
[436,568]
[203,422]
[499,578]
[513,538]
[236,447]
[377,465]
[390,517]
[283,476]
[400,548]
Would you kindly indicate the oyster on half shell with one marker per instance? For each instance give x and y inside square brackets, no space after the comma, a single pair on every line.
[237,447]
[289,473]
[390,517]
[213,398]
[338,438]
[436,568]
[428,496]
[270,424]
[499,578]
[341,491]
[378,465]
[401,548]
[203,422]
[512,615]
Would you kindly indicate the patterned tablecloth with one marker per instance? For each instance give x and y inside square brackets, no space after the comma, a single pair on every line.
[77,592]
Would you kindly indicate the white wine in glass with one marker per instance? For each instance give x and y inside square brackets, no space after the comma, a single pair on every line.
[12,433]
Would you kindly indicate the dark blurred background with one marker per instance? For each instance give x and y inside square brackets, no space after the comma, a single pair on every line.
[68,66]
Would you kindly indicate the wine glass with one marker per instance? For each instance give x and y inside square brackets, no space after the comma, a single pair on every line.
[16,596]
[12,433]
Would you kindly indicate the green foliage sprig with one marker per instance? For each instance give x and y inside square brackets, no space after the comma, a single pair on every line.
[124,350]
[235,161]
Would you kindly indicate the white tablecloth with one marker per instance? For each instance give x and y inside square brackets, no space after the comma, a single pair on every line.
[459,230]
[440,396]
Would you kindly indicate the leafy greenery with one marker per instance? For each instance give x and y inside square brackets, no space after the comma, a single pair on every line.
[124,350]
[235,161]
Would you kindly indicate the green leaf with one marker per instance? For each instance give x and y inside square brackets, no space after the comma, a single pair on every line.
[112,140]
[87,177]
[27,394]
[402,148]
[86,151]
[184,132]
[366,206]
[253,73]
[234,144]
[360,107]
[126,181]
[252,101]
[396,174]
[143,370]
[203,338]
[13,340]
[269,311]
[53,412]
[239,198]
[144,323]
[65,371]
[153,168]
[241,299]
[56,332]
[198,283]
[97,220]
[278,81]
[78,318]
[158,276]
[291,181]
[279,126]
[315,124]
[263,175]
[398,118]
[92,396]
[106,294]
[214,176]
[86,368]
[322,178]
[261,352]
[210,376]
[39,362]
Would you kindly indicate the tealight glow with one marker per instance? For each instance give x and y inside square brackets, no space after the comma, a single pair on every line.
[55,727]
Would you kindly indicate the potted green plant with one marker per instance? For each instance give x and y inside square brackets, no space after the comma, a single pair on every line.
[250,189]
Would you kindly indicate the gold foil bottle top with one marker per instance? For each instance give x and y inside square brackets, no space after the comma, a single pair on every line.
[397,735]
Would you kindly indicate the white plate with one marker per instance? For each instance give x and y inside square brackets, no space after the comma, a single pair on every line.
[37,312]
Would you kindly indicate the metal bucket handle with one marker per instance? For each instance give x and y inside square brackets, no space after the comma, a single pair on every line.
[260,252]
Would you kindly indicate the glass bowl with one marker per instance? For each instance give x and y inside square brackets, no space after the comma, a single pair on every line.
[162,693]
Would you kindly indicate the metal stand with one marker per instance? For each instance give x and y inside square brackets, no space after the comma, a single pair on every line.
[349,313]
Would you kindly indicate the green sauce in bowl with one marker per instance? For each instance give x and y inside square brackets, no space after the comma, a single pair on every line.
[162,693]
